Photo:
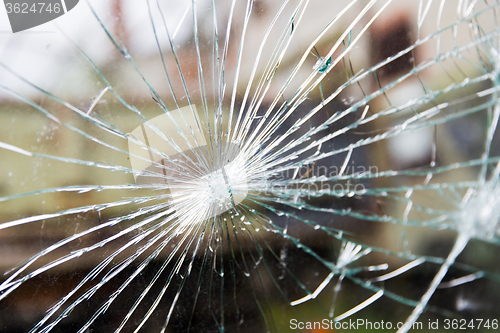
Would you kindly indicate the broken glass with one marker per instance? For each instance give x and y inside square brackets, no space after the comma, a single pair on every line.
[182,166]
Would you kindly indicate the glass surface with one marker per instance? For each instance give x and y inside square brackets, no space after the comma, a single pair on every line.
[251,166]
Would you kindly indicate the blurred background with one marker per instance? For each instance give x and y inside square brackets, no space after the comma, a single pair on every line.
[401,94]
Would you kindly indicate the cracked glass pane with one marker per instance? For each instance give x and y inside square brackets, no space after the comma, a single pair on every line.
[251,166]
